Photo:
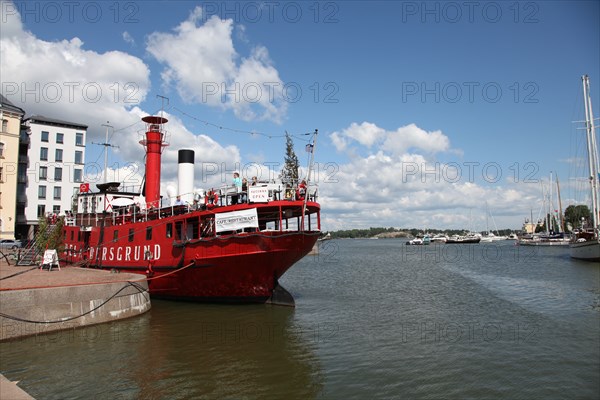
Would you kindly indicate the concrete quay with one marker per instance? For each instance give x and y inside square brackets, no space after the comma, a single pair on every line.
[10,391]
[34,301]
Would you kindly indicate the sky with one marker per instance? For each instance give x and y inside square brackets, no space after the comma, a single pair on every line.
[434,115]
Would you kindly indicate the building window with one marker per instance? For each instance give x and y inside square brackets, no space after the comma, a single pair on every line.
[56,210]
[78,157]
[79,139]
[1,174]
[57,192]
[58,174]
[1,149]
[4,125]
[41,210]
[45,136]
[44,153]
[41,192]
[58,155]
[78,175]
[60,138]
[43,173]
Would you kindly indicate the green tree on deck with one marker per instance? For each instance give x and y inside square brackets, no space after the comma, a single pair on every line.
[289,173]
[573,215]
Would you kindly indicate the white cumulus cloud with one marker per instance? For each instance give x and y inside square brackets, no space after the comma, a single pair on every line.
[200,61]
[409,138]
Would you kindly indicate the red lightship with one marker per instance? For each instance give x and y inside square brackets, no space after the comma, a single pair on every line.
[221,245]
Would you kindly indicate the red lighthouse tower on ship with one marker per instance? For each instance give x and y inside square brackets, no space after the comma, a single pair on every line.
[154,143]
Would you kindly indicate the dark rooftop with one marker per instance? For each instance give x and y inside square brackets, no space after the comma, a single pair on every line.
[8,105]
[40,119]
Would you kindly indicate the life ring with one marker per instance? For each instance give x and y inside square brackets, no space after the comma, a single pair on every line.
[211,199]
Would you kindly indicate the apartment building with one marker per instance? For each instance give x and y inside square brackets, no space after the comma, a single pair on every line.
[10,116]
[51,171]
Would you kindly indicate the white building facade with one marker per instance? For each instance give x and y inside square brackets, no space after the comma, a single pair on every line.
[54,170]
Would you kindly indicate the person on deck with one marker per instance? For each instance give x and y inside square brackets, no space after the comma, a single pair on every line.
[301,191]
[237,182]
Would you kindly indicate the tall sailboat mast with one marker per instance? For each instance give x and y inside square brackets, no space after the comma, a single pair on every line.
[560,209]
[592,150]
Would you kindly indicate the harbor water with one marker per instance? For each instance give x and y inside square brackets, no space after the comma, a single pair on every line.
[374,319]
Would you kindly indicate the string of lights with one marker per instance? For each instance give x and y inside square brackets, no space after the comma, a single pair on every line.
[302,137]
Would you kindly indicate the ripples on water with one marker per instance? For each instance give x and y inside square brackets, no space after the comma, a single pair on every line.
[373,319]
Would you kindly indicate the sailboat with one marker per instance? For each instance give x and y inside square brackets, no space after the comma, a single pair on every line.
[551,237]
[586,243]
[490,236]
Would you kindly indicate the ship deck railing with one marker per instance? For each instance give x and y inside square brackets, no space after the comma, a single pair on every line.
[126,215]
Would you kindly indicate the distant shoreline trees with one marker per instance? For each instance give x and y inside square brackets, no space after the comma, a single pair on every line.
[398,232]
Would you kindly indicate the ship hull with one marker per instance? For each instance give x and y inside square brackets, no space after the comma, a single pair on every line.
[250,275]
[182,262]
[587,251]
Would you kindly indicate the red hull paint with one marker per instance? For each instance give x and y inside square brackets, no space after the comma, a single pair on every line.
[241,267]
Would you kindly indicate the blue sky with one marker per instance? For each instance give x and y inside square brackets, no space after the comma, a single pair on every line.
[479,95]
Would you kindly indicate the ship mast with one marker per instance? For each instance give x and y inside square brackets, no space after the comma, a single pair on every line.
[561,217]
[106,145]
[592,151]
[312,147]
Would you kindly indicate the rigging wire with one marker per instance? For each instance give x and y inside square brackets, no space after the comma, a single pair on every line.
[234,130]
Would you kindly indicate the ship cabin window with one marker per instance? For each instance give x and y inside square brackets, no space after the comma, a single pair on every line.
[115,235]
[169,230]
[179,230]
[131,231]
[79,236]
[149,233]
[64,234]
[72,235]
[193,228]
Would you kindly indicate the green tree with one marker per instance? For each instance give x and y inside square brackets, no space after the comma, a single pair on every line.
[553,224]
[573,215]
[289,173]
[49,236]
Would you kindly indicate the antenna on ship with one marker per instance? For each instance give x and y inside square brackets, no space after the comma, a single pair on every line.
[162,103]
[106,146]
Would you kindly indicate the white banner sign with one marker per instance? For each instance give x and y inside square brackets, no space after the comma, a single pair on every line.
[258,194]
[235,220]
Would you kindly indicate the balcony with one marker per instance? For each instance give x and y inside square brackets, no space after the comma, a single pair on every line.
[23,159]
